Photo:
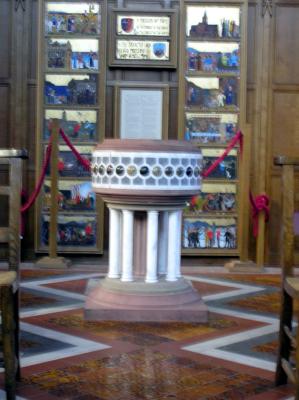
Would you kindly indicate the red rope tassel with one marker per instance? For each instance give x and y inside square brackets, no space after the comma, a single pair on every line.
[259,203]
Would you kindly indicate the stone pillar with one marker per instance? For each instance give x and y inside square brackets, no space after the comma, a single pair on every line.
[178,243]
[114,243]
[152,246]
[127,246]
[174,249]
[163,240]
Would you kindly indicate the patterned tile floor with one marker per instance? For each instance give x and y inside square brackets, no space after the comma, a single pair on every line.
[230,357]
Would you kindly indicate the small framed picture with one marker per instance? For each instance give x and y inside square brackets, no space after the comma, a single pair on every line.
[70,89]
[207,57]
[72,55]
[203,234]
[78,125]
[213,198]
[74,232]
[141,39]
[72,196]
[69,165]
[71,18]
[212,93]
[210,128]
[141,111]
[212,22]
[227,169]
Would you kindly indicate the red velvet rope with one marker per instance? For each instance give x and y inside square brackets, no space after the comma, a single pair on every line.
[237,138]
[82,160]
[24,199]
[259,203]
[34,195]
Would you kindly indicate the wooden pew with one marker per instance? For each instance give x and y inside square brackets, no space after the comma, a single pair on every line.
[286,370]
[9,280]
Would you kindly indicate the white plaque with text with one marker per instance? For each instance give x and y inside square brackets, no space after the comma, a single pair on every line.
[142,50]
[141,114]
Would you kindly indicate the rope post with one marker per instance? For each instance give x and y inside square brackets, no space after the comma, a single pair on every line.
[260,240]
[54,190]
[53,261]
[244,264]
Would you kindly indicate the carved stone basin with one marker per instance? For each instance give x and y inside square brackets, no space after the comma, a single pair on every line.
[145,184]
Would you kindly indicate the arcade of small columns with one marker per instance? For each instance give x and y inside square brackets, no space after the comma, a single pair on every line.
[163,244]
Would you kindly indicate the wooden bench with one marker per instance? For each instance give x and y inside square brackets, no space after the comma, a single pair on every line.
[288,366]
[9,280]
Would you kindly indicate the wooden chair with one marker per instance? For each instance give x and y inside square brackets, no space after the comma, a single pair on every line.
[288,348]
[9,280]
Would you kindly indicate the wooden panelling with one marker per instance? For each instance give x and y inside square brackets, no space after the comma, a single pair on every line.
[251,43]
[144,5]
[109,112]
[286,45]
[250,115]
[285,126]
[274,225]
[137,75]
[33,18]
[30,138]
[5,92]
[173,106]
[4,116]
[29,178]
[5,10]
[250,104]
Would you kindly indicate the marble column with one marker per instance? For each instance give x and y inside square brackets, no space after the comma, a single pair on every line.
[152,246]
[162,243]
[174,250]
[114,243]
[127,246]
[178,243]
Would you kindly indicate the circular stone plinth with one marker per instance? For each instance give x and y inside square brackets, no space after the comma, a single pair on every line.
[111,299]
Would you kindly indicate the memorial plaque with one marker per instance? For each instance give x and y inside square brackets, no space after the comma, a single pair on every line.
[143,25]
[142,50]
[140,39]
[141,114]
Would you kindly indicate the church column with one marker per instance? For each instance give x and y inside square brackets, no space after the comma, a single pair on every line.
[174,248]
[114,243]
[163,240]
[152,246]
[127,246]
[178,243]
